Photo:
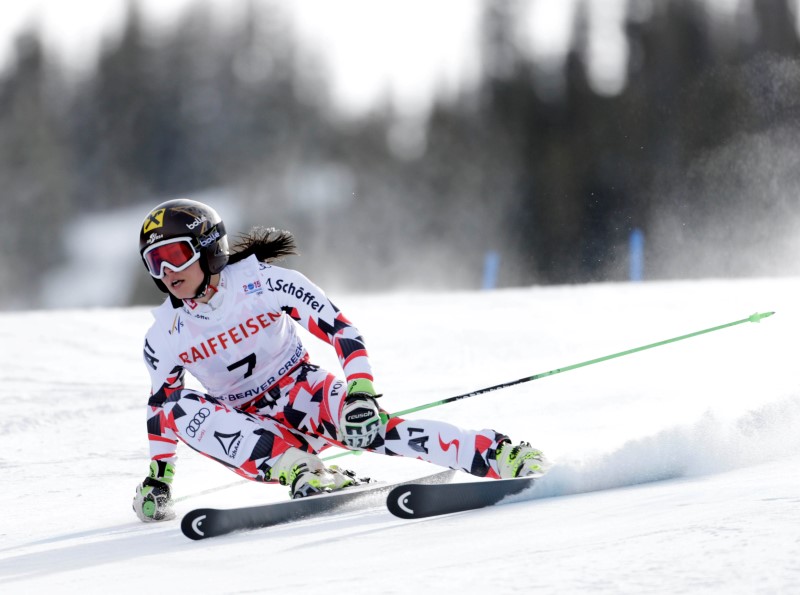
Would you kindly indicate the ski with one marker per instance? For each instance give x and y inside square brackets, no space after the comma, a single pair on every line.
[417,500]
[203,523]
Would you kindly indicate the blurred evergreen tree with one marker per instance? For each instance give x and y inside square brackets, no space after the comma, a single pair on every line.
[34,167]
[696,148]
[123,122]
[700,99]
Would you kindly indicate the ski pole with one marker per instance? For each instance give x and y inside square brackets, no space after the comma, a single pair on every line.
[752,318]
[386,416]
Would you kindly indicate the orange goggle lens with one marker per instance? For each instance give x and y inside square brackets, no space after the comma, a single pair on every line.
[176,255]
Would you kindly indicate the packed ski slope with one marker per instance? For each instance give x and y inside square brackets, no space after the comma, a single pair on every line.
[677,466]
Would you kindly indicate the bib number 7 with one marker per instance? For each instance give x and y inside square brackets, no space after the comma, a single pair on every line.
[249,361]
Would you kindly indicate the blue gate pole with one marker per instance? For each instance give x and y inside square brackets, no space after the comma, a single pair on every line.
[636,255]
[491,267]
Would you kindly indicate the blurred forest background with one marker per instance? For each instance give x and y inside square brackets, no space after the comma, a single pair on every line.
[539,163]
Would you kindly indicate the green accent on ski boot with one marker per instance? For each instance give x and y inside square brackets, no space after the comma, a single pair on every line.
[286,477]
[163,472]
[343,477]
[511,459]
[149,508]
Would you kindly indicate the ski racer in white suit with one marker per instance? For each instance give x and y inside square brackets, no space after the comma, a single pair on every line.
[267,411]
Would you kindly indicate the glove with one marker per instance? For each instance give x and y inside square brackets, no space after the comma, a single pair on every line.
[361,421]
[153,499]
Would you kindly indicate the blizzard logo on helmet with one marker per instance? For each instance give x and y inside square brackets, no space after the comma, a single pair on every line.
[154,221]
[154,237]
[197,221]
[209,239]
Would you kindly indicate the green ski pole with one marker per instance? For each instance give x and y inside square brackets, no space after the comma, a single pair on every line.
[752,318]
[387,416]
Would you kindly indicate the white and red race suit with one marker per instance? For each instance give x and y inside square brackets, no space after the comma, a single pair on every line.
[262,394]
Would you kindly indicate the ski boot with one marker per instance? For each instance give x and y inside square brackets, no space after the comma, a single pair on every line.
[520,461]
[305,474]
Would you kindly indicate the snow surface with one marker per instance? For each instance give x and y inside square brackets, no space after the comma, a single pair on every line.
[677,466]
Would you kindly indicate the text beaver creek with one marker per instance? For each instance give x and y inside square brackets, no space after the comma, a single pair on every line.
[232,336]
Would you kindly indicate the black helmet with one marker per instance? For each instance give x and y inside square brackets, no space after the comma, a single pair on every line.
[198,224]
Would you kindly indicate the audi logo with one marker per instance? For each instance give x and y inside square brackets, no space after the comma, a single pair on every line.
[197,421]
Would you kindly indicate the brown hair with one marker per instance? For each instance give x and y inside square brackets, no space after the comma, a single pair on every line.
[267,243]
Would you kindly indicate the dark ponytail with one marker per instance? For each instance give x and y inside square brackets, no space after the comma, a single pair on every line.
[267,243]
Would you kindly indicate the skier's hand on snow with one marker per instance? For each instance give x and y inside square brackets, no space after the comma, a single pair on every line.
[153,499]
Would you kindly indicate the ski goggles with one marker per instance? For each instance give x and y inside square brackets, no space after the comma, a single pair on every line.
[177,254]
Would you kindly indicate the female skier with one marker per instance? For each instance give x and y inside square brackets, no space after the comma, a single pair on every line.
[229,320]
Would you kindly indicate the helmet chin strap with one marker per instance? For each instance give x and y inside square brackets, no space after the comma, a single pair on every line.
[202,289]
